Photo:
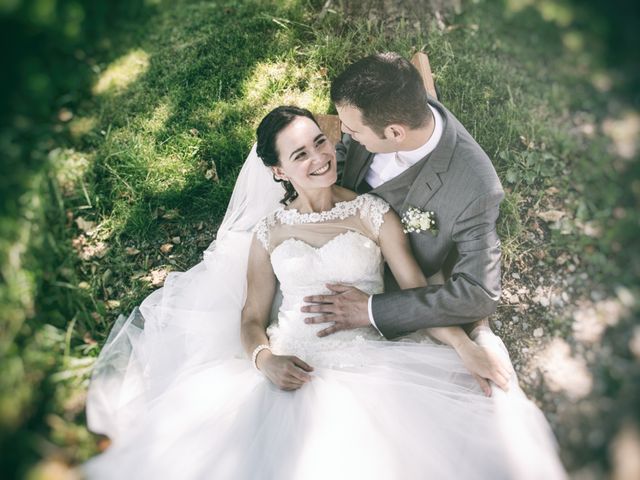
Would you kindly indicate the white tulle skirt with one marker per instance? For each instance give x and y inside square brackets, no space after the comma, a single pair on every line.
[174,391]
[176,394]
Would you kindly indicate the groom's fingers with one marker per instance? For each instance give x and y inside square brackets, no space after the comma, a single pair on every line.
[506,373]
[319,319]
[328,331]
[484,385]
[318,299]
[501,381]
[338,287]
[323,308]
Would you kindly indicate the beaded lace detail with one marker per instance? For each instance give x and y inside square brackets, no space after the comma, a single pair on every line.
[262,229]
[369,206]
[374,208]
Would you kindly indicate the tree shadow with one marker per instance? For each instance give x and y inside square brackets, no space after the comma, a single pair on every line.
[165,69]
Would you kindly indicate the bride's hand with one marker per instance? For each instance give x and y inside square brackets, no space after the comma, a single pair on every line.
[485,363]
[284,371]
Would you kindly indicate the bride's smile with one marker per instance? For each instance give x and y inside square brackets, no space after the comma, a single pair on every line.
[308,159]
[322,170]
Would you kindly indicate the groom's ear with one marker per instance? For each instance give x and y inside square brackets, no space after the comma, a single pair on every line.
[395,132]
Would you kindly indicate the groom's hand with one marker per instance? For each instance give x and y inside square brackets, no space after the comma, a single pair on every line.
[347,308]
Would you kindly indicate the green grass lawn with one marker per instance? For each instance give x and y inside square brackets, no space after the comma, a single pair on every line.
[141,167]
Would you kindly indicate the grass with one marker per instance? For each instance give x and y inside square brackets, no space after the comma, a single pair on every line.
[151,152]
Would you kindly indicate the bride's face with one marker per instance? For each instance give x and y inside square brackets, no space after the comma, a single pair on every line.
[307,157]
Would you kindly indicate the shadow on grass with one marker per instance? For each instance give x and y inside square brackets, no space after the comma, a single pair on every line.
[49,57]
[176,94]
[142,126]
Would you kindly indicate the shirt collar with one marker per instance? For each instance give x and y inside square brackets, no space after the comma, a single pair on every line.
[412,157]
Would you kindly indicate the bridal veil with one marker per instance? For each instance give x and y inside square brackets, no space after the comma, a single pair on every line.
[193,319]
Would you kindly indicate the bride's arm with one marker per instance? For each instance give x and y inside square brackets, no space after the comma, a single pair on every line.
[396,250]
[286,372]
[261,287]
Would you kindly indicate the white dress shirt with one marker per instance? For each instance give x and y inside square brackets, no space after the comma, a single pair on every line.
[386,166]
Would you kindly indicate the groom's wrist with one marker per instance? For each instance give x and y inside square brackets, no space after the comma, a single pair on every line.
[461,342]
[370,312]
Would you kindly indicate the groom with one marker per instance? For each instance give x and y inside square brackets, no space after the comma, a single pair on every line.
[407,148]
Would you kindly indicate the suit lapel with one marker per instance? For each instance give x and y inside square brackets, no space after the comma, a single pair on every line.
[368,160]
[356,166]
[428,181]
[423,188]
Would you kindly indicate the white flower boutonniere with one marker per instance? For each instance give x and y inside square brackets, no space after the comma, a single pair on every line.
[415,220]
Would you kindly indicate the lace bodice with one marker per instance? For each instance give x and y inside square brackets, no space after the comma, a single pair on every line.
[336,246]
[363,214]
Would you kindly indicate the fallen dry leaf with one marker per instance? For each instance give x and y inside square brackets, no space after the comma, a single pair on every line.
[99,250]
[562,259]
[112,304]
[551,215]
[211,175]
[65,115]
[78,242]
[158,276]
[131,251]
[166,248]
[591,229]
[527,143]
[85,225]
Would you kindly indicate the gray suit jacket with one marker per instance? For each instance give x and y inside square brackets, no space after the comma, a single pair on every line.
[458,182]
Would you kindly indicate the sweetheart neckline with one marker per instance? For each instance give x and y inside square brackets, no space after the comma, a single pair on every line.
[297,240]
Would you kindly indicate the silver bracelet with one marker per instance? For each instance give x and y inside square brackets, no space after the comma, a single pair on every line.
[256,351]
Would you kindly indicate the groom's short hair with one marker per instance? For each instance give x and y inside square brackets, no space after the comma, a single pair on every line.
[386,88]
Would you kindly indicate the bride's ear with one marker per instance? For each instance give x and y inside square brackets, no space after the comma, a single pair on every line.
[279,173]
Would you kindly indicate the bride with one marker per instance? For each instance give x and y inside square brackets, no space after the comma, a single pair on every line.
[199,384]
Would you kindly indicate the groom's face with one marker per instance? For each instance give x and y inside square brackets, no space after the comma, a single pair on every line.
[351,123]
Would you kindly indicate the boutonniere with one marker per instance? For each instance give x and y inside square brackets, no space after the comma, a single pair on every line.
[415,220]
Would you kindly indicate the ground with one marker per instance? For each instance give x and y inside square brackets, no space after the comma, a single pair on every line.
[140,166]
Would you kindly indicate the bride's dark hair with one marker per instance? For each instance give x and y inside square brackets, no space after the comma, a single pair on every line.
[268,130]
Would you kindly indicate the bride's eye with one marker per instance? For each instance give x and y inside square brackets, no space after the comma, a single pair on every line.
[300,156]
[321,141]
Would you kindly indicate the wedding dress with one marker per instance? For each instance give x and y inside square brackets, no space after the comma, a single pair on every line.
[179,398]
